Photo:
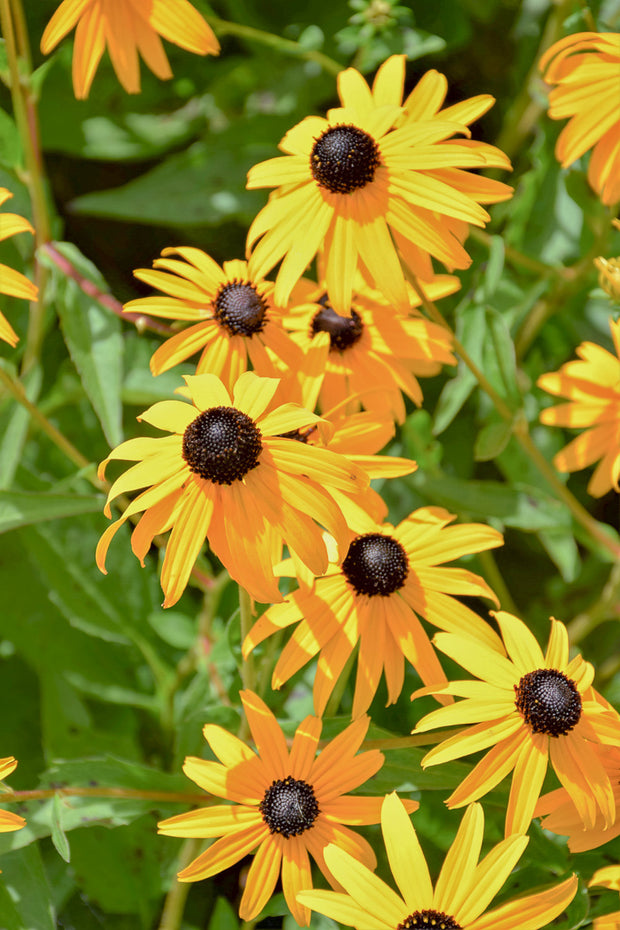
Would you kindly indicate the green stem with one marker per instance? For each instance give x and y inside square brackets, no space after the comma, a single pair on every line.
[26,116]
[140,320]
[605,608]
[14,386]
[520,259]
[520,431]
[284,46]
[497,582]
[525,113]
[174,905]
[409,742]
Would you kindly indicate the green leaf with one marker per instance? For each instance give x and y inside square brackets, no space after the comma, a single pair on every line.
[491,440]
[521,506]
[494,268]
[223,917]
[93,337]
[562,550]
[470,330]
[59,837]
[10,143]
[23,508]
[499,356]
[203,185]
[14,424]
[25,900]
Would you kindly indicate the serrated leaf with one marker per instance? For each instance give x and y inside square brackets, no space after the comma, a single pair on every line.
[93,337]
[24,508]
[59,837]
[492,440]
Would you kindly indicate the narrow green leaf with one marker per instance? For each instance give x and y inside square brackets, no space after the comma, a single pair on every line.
[10,143]
[500,355]
[59,837]
[495,267]
[23,508]
[93,337]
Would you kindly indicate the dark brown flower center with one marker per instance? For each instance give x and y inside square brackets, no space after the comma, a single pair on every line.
[289,807]
[549,702]
[375,564]
[222,445]
[240,309]
[424,920]
[344,331]
[344,159]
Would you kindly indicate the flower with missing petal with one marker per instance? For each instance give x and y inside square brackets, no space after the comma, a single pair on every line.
[234,320]
[371,180]
[389,577]
[129,29]
[463,891]
[289,804]
[8,820]
[531,709]
[584,70]
[592,388]
[226,472]
[607,877]
[13,283]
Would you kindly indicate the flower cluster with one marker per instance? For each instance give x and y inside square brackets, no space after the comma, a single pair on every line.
[308,353]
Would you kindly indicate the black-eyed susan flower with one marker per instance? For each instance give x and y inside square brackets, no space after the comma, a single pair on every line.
[561,816]
[130,30]
[584,70]
[531,709]
[388,579]
[13,283]
[461,895]
[8,820]
[235,321]
[365,182]
[591,386]
[287,805]
[226,472]
[607,877]
[372,353]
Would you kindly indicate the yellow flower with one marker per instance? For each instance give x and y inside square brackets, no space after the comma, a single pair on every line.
[562,817]
[129,28]
[13,283]
[609,276]
[585,71]
[235,319]
[592,387]
[531,709]
[288,804]
[375,352]
[8,820]
[607,877]
[389,577]
[370,180]
[227,473]
[462,893]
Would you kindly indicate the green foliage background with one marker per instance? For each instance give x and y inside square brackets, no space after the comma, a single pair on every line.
[101,687]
